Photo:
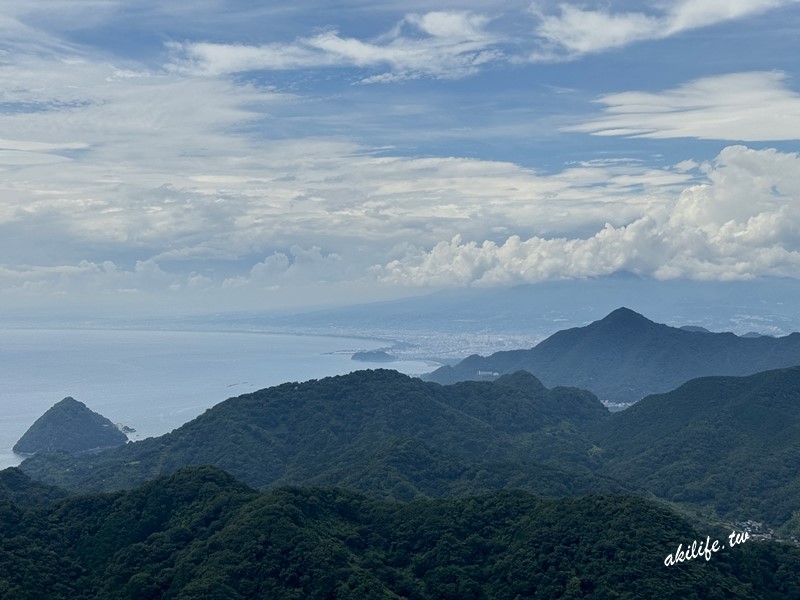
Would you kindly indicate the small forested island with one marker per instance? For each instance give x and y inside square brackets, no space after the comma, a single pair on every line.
[373,356]
[70,426]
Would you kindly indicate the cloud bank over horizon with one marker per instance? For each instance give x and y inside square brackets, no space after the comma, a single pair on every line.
[736,217]
[241,156]
[743,223]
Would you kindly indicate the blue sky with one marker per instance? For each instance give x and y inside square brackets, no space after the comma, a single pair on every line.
[207,155]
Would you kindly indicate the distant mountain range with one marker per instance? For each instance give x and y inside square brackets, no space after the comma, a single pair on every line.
[535,309]
[625,357]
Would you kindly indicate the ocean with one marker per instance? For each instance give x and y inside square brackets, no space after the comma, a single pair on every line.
[155,381]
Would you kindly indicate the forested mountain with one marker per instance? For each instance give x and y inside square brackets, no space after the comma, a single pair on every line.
[17,487]
[375,431]
[726,447]
[72,427]
[200,534]
[731,443]
[625,356]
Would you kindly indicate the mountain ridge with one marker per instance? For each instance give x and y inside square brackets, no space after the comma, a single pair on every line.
[718,441]
[624,357]
[352,427]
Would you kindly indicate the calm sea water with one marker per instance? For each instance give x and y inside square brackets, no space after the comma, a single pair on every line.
[155,381]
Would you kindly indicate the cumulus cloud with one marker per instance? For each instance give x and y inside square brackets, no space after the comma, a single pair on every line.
[739,106]
[297,266]
[575,31]
[744,222]
[438,44]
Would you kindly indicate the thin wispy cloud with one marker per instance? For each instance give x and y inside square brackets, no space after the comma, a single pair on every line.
[757,106]
[436,44]
[455,44]
[574,30]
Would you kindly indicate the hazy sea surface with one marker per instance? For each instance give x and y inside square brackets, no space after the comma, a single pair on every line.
[155,381]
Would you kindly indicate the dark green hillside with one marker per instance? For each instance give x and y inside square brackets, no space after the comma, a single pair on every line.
[199,534]
[732,443]
[625,356]
[17,487]
[378,431]
[71,427]
[726,446]
[533,406]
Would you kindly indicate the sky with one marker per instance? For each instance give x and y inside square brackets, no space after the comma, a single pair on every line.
[161,157]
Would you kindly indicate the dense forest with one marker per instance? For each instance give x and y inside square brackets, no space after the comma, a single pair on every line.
[200,534]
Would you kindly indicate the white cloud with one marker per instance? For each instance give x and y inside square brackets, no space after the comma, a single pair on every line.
[751,106]
[297,266]
[458,43]
[86,279]
[576,31]
[437,44]
[126,144]
[120,178]
[691,14]
[320,210]
[457,26]
[317,210]
[582,31]
[743,223]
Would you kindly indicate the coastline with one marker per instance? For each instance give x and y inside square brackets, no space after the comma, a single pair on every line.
[156,380]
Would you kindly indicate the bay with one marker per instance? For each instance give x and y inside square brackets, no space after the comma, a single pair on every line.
[155,381]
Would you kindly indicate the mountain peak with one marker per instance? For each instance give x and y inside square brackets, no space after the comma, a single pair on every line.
[624,315]
[622,321]
[625,356]
[69,401]
[522,380]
